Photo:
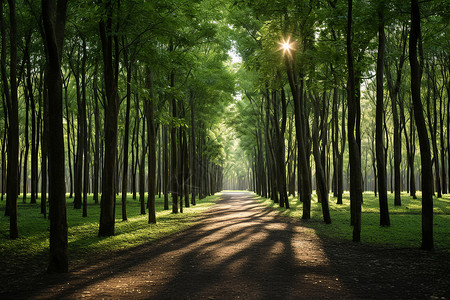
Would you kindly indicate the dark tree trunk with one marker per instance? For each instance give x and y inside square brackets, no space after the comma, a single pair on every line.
[186,170]
[151,148]
[159,174]
[380,154]
[448,132]
[34,137]
[427,173]
[353,134]
[128,65]
[441,122]
[180,163]
[281,151]
[142,168]
[44,147]
[173,143]
[320,172]
[96,138]
[27,144]
[13,124]
[69,152]
[109,44]
[133,172]
[54,16]
[3,174]
[433,127]
[85,136]
[339,154]
[78,171]
[165,168]
[303,166]
[192,149]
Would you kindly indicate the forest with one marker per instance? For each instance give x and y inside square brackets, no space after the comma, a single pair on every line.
[117,108]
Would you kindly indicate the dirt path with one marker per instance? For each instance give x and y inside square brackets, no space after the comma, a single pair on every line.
[240,249]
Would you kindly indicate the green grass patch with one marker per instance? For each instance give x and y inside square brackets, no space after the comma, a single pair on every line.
[406,223]
[33,241]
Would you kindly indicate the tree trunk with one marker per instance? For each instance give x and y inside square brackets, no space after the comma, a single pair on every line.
[173,137]
[85,136]
[128,65]
[353,135]
[380,154]
[427,173]
[108,201]
[433,131]
[34,152]
[96,138]
[27,147]
[192,149]
[142,168]
[151,148]
[13,124]
[166,168]
[303,168]
[320,172]
[78,172]
[54,36]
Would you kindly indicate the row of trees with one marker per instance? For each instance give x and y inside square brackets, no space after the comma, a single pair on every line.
[329,92]
[117,97]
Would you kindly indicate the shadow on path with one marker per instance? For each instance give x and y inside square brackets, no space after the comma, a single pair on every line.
[238,249]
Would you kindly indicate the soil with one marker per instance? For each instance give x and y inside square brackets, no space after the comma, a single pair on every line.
[241,249]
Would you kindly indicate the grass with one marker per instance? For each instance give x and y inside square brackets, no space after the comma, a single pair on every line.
[33,242]
[405,230]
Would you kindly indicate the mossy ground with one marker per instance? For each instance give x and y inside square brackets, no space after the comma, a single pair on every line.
[405,230]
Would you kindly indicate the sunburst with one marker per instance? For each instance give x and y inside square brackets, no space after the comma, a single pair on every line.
[286,45]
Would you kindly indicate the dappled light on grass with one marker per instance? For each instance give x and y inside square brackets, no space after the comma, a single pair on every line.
[405,229]
[83,237]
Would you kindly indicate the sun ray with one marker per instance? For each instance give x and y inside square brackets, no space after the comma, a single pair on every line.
[286,45]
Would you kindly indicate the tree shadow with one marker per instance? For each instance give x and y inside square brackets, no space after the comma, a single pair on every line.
[238,249]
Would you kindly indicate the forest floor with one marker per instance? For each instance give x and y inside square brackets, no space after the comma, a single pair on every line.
[241,249]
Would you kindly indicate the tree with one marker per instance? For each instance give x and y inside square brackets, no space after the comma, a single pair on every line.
[381,166]
[353,134]
[110,51]
[425,153]
[151,136]
[54,18]
[13,124]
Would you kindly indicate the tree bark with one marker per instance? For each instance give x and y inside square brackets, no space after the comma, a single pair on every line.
[109,44]
[165,168]
[128,65]
[192,149]
[303,166]
[427,173]
[85,135]
[151,136]
[96,138]
[13,125]
[380,154]
[353,133]
[54,16]
[173,144]
[142,168]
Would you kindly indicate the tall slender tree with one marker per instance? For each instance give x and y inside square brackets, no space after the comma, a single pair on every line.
[54,17]
[425,153]
[110,51]
[380,153]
